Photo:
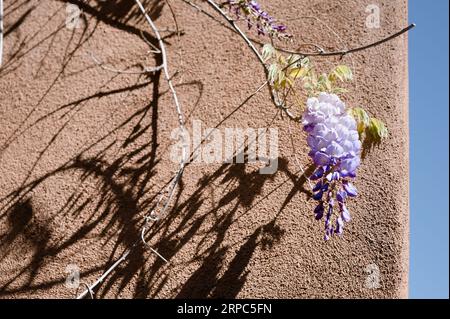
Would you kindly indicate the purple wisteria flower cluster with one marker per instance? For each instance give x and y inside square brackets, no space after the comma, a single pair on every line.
[254,15]
[335,150]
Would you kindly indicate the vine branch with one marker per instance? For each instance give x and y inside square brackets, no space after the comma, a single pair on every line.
[357,49]
[321,52]
[217,8]
[145,69]
[173,182]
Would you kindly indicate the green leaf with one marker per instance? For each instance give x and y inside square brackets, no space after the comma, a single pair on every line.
[338,90]
[342,73]
[294,61]
[281,79]
[308,86]
[377,129]
[272,73]
[297,73]
[324,83]
[305,63]
[361,117]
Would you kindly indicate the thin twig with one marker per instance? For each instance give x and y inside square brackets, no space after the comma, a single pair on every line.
[178,33]
[233,30]
[275,100]
[165,65]
[144,231]
[345,52]
[296,158]
[154,48]
[91,293]
[90,288]
[145,69]
[216,7]
[353,50]
[321,52]
[181,124]
[174,181]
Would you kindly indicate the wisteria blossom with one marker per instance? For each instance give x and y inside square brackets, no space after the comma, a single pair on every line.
[251,11]
[335,150]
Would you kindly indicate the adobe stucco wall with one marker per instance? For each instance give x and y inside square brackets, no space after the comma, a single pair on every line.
[83,152]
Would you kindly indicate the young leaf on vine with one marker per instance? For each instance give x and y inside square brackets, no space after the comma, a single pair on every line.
[342,73]
[361,117]
[377,129]
[268,52]
[369,128]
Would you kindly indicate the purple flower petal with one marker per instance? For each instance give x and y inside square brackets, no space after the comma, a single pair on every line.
[308,127]
[280,28]
[350,189]
[335,148]
[321,159]
[318,211]
[318,195]
[328,217]
[345,214]
[317,187]
[341,196]
[339,226]
[255,5]
[350,164]
[333,176]
[317,174]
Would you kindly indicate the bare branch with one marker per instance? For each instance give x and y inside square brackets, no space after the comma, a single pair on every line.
[164,64]
[177,176]
[153,216]
[91,293]
[273,96]
[144,231]
[144,68]
[154,48]
[322,52]
[89,290]
[216,7]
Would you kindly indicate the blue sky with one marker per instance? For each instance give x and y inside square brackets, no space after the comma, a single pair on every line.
[429,162]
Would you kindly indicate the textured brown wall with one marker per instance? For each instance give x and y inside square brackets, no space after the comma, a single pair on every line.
[84,151]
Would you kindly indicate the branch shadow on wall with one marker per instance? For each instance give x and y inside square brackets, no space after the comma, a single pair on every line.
[122,195]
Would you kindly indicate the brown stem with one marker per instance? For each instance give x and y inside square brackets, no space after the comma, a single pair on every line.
[364,47]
